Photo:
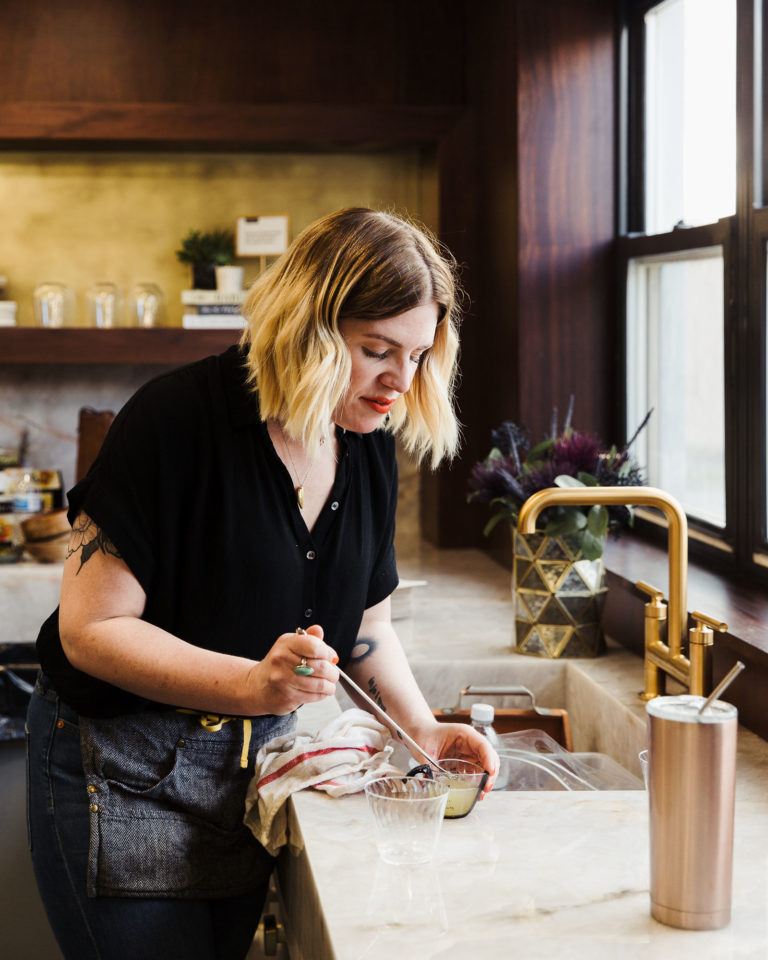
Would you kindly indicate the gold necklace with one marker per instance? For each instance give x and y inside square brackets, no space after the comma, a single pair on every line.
[300,484]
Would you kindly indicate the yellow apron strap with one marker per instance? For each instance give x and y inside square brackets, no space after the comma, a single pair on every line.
[213,723]
[247,728]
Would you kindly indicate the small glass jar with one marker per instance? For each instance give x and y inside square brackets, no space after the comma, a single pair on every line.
[54,305]
[105,304]
[146,306]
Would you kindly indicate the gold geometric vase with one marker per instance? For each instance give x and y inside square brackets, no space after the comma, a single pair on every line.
[558,598]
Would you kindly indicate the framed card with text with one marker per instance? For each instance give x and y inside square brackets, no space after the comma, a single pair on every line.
[265,236]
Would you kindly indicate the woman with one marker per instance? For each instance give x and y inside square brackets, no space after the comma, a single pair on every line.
[235,501]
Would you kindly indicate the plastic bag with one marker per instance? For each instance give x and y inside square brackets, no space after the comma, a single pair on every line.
[534,761]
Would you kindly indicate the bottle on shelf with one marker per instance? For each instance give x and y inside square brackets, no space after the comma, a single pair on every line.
[481,717]
[11,548]
[27,496]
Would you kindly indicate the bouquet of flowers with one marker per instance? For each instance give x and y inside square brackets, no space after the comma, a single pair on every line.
[514,470]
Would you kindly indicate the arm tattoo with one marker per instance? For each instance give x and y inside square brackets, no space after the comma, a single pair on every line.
[375,694]
[364,647]
[87,538]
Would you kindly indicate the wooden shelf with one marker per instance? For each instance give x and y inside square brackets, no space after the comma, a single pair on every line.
[163,345]
[246,124]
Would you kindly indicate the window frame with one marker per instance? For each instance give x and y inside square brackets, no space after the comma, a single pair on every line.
[741,548]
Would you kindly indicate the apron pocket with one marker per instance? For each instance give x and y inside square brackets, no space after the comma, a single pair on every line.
[167,800]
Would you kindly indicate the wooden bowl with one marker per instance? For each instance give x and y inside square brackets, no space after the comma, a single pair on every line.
[52,550]
[46,536]
[44,526]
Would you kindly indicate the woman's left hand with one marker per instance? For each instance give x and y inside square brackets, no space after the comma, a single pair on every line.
[460,741]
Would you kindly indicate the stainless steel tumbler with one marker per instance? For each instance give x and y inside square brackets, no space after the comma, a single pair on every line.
[691,785]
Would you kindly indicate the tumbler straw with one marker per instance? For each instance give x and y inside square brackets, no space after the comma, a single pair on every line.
[724,683]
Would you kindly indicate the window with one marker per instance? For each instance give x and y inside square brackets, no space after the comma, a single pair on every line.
[693,255]
[690,113]
[675,337]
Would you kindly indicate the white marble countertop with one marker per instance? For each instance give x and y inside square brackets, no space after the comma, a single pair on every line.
[550,875]
[529,875]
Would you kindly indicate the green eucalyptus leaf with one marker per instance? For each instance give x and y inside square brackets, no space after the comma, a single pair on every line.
[540,448]
[492,523]
[567,520]
[597,520]
[564,480]
[587,479]
[625,468]
[560,527]
[591,546]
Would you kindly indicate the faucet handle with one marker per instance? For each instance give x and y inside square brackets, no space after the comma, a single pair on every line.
[654,593]
[702,621]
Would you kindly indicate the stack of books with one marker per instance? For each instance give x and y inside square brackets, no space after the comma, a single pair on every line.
[212,309]
[8,313]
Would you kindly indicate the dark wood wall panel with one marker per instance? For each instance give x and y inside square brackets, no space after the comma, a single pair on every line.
[542,324]
[233,51]
[445,519]
[566,203]
[489,381]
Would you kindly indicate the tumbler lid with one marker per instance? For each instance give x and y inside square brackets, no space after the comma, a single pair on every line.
[685,709]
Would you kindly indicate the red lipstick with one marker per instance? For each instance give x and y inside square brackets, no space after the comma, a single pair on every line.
[379,404]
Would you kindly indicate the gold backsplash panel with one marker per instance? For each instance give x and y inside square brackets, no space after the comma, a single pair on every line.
[79,218]
[82,217]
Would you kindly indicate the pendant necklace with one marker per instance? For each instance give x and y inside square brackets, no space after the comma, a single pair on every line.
[300,484]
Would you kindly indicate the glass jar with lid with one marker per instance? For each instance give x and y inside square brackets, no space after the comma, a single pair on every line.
[54,305]
[105,303]
[146,306]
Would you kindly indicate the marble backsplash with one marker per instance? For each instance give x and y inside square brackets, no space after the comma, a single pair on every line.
[45,401]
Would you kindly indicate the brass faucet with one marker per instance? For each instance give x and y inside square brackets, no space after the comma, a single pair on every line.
[665,626]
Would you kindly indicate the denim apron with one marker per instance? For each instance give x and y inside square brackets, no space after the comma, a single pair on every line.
[166,799]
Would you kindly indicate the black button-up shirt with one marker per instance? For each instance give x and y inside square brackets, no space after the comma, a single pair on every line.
[194,497]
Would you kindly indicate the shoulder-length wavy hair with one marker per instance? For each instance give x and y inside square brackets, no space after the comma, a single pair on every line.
[366,265]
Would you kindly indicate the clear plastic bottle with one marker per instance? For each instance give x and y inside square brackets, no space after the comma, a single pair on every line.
[27,496]
[10,546]
[481,716]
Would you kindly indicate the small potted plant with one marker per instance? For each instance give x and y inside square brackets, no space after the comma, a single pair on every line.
[558,579]
[206,251]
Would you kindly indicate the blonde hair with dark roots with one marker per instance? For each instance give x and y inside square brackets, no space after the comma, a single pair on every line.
[365,265]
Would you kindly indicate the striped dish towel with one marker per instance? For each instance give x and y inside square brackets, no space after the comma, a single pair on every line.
[341,758]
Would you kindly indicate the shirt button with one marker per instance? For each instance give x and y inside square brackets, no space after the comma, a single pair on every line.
[335,505]
[94,807]
[311,554]
[91,789]
[308,612]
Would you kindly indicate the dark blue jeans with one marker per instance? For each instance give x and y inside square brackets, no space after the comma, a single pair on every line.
[60,815]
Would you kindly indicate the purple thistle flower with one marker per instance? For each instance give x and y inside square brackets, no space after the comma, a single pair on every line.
[489,481]
[508,476]
[576,452]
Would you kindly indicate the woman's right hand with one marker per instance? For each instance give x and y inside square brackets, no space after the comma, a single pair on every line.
[275,688]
